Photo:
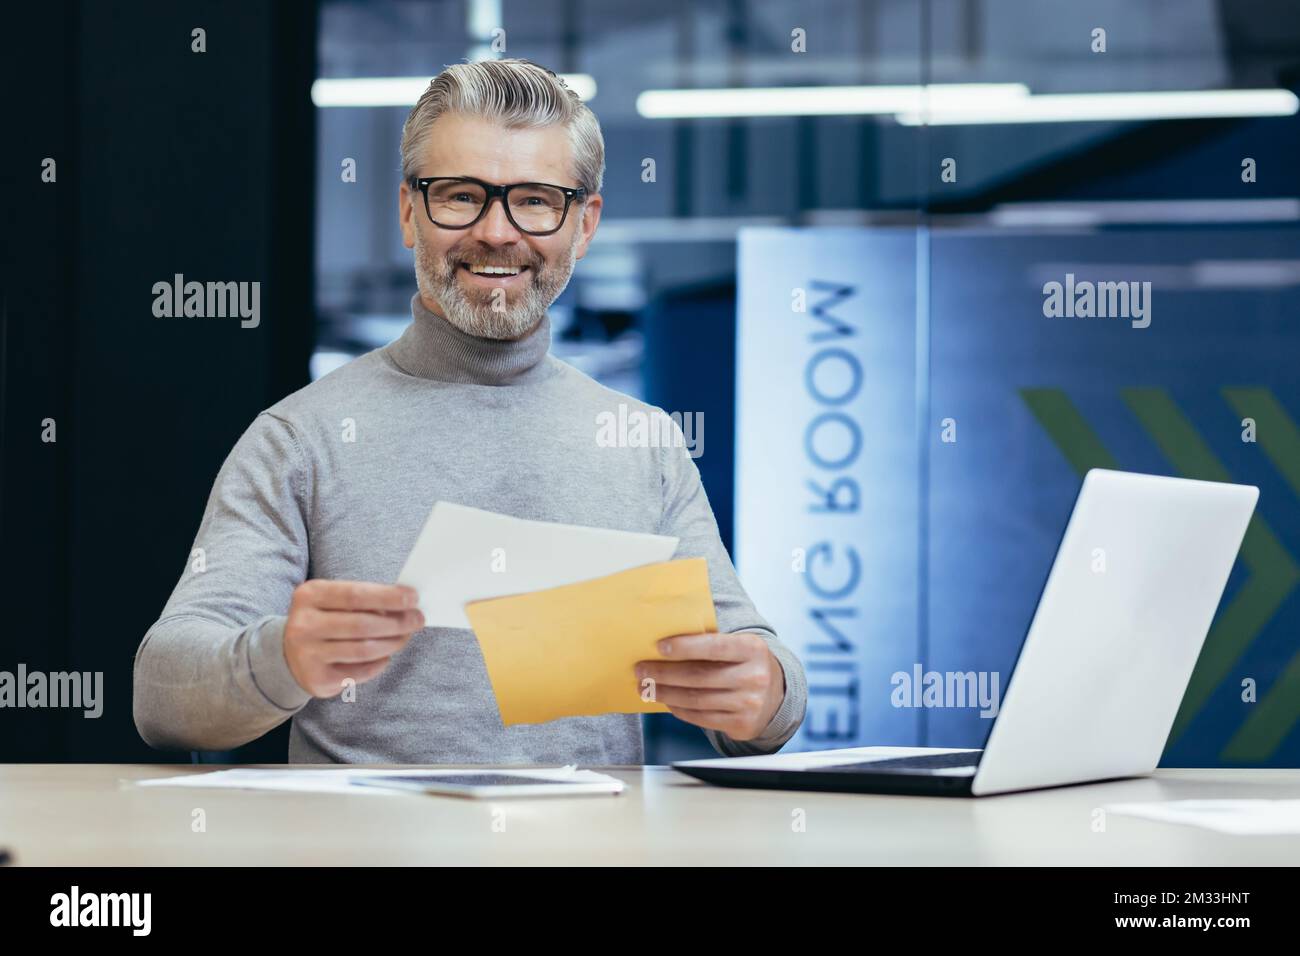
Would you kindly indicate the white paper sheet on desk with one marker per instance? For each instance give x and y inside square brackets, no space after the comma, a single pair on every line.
[340,781]
[1238,817]
[464,554]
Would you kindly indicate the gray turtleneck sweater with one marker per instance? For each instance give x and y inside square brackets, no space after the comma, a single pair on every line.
[436,415]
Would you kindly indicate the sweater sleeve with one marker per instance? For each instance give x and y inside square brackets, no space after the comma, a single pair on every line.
[687,514]
[211,673]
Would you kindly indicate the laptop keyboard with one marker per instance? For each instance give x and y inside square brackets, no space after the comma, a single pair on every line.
[920,763]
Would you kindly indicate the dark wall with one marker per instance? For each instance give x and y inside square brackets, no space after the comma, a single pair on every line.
[168,161]
[698,378]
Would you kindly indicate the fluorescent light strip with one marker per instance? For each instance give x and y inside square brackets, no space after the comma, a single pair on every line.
[821,100]
[405,90]
[1199,211]
[1109,107]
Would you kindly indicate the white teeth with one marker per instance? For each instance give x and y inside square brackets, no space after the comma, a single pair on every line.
[494,270]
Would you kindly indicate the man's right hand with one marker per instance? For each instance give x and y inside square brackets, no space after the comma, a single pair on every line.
[342,629]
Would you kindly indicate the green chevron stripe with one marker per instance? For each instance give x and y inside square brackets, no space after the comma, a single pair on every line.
[1275,432]
[1174,434]
[1271,722]
[1273,572]
[1275,715]
[1062,421]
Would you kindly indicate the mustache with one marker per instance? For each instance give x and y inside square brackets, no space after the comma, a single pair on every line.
[456,255]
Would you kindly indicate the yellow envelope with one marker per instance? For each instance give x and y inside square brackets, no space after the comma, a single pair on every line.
[571,651]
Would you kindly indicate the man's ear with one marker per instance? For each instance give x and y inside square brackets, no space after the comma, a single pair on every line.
[590,219]
[405,214]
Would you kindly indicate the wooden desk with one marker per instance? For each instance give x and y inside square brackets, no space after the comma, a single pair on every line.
[91,814]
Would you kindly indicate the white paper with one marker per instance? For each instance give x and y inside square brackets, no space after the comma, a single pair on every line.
[340,781]
[464,554]
[298,781]
[1238,817]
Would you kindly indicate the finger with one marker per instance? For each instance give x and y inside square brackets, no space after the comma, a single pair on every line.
[695,698]
[359,596]
[357,672]
[710,647]
[362,652]
[715,674]
[712,719]
[353,625]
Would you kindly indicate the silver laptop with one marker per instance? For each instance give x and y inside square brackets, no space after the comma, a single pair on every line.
[1101,673]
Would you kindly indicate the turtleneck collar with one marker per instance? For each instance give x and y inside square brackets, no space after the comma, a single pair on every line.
[433,348]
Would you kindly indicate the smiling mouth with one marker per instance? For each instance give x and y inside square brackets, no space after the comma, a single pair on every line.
[489,271]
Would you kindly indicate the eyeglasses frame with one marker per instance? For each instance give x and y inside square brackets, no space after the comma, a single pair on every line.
[497,191]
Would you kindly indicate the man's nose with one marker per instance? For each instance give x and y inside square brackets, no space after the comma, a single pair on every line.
[495,228]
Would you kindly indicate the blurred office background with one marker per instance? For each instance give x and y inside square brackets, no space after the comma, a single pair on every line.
[1066,157]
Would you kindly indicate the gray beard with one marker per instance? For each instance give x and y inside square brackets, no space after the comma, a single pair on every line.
[474,314]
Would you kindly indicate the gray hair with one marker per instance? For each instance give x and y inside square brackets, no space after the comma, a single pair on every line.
[519,94]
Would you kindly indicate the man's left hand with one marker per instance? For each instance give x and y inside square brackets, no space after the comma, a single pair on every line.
[726,682]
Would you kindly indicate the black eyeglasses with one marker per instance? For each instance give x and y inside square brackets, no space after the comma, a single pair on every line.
[457,202]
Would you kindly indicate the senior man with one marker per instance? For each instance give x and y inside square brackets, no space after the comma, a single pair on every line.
[500,195]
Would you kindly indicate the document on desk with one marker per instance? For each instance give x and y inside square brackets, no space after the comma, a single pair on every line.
[571,651]
[464,554]
[1238,817]
[546,781]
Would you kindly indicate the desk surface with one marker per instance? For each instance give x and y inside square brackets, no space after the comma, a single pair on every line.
[91,814]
